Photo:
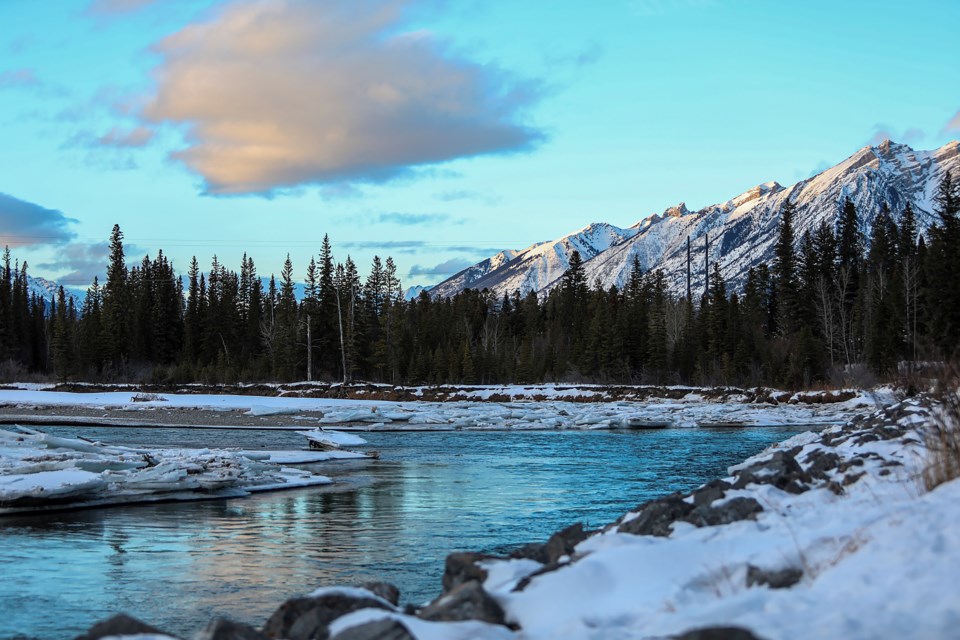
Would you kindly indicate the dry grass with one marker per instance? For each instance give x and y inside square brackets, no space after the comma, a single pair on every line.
[942,436]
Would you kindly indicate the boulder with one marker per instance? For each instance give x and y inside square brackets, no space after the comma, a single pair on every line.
[780,470]
[467,601]
[386,629]
[560,544]
[461,568]
[731,511]
[656,517]
[773,578]
[385,590]
[223,629]
[819,462]
[120,625]
[713,490]
[308,618]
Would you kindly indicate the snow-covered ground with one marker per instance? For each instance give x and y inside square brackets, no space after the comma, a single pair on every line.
[690,410]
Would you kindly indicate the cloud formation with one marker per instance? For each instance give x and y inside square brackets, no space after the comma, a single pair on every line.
[81,261]
[273,94]
[953,126]
[135,137]
[416,246]
[25,224]
[16,78]
[445,269]
[115,7]
[454,195]
[411,219]
[882,132]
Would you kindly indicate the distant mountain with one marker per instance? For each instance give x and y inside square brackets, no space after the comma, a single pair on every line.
[741,231]
[47,290]
[413,292]
[535,267]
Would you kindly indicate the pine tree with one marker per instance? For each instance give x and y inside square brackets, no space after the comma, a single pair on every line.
[785,273]
[116,301]
[64,354]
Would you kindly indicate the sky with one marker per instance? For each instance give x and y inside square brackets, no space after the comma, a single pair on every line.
[437,132]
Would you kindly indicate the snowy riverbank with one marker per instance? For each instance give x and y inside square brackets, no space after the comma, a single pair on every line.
[829,535]
[684,407]
[41,472]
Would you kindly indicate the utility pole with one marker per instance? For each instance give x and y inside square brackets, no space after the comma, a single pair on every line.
[706,264]
[309,352]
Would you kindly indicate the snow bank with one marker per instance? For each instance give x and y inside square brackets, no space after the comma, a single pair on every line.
[875,556]
[39,471]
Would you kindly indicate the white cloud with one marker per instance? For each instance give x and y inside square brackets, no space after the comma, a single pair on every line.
[278,93]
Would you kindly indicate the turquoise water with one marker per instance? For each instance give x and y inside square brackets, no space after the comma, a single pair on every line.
[176,565]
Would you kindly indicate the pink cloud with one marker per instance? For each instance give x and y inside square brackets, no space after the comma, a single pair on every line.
[274,94]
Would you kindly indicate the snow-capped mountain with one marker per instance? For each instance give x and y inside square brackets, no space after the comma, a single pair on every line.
[535,267]
[742,230]
[468,278]
[47,290]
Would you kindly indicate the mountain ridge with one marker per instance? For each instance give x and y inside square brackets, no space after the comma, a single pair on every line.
[741,230]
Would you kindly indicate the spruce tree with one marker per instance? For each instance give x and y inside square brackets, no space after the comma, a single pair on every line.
[116,301]
[785,273]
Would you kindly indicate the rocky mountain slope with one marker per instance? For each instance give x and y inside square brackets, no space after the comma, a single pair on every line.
[741,231]
[536,266]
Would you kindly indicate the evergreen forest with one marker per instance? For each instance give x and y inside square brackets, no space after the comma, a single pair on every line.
[833,305]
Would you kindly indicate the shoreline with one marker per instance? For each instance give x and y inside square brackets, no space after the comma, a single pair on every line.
[784,547]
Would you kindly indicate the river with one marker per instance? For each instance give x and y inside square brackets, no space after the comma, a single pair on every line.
[176,565]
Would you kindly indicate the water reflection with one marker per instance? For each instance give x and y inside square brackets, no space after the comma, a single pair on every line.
[432,493]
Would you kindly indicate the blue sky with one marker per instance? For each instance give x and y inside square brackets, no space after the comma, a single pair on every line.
[435,131]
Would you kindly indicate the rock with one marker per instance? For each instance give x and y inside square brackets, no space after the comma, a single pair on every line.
[461,568]
[732,511]
[849,479]
[560,544]
[307,618]
[780,470]
[467,601]
[713,490]
[718,633]
[775,579]
[547,568]
[819,462]
[386,629]
[120,625]
[223,629]
[385,590]
[656,517]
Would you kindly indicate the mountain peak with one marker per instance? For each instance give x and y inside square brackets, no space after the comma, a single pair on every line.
[677,211]
[742,230]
